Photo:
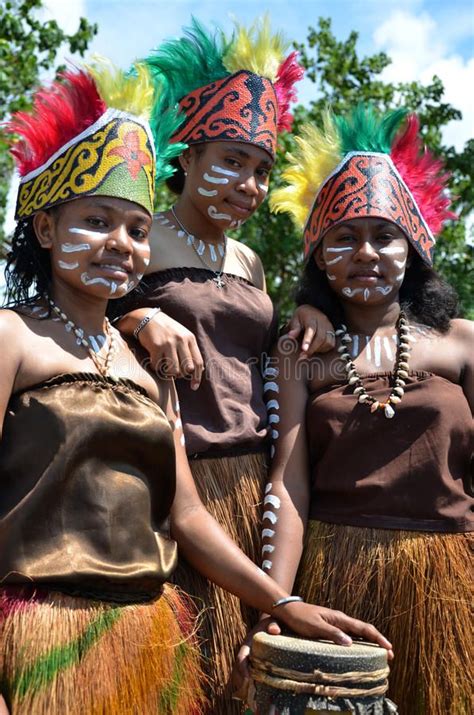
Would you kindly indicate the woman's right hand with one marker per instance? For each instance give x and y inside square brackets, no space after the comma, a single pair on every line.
[172,348]
[318,622]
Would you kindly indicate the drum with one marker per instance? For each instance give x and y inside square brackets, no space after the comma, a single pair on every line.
[292,676]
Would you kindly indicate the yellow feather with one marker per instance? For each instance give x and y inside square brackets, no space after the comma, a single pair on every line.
[255,49]
[129,93]
[317,153]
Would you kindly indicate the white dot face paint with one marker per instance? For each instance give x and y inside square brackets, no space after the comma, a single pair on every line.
[68,266]
[205,192]
[214,214]
[214,179]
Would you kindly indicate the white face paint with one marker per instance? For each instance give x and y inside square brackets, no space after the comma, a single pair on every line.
[267,565]
[269,486]
[93,281]
[270,372]
[86,232]
[236,223]
[146,261]
[74,247]
[225,172]
[270,516]
[400,277]
[68,266]
[273,419]
[205,192]
[392,250]
[268,533]
[333,261]
[400,264]
[263,188]
[351,292]
[339,250]
[214,214]
[330,277]
[385,290]
[270,386]
[267,549]
[273,405]
[272,500]
[214,179]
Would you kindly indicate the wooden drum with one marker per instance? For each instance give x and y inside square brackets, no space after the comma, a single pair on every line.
[292,676]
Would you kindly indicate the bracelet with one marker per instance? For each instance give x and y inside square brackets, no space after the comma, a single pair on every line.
[287,599]
[149,316]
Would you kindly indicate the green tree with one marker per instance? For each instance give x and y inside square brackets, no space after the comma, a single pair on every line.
[342,80]
[28,48]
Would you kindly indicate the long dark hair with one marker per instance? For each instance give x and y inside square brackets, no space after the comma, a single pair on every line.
[424,295]
[28,269]
[175,183]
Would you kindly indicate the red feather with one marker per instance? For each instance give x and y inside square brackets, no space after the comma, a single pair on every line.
[423,174]
[288,73]
[60,112]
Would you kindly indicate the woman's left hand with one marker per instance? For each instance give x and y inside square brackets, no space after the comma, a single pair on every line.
[240,672]
[317,330]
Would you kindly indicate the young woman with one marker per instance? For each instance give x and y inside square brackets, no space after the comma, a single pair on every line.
[214,287]
[370,490]
[95,485]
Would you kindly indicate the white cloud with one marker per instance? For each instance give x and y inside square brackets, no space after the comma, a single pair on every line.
[418,51]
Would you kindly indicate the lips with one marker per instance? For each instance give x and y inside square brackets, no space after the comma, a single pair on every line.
[240,208]
[114,270]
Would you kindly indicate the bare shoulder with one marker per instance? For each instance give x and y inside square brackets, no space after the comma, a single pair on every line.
[12,326]
[249,260]
[462,329]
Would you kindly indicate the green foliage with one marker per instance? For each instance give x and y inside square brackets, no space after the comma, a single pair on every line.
[343,80]
[28,48]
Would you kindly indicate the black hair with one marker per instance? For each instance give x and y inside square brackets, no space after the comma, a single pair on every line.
[424,295]
[28,269]
[175,183]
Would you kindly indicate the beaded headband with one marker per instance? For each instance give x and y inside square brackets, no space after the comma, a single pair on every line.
[363,166]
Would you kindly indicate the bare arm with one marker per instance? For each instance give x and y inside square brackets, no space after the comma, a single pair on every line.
[466,336]
[11,339]
[316,330]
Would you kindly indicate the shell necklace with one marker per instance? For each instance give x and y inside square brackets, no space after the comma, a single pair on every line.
[102,367]
[399,375]
[217,274]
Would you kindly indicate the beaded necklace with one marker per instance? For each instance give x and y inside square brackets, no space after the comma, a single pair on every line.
[70,326]
[217,274]
[399,375]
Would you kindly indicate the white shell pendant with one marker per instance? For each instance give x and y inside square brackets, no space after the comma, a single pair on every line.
[389,411]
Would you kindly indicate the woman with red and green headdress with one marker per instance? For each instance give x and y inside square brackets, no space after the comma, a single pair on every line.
[369,506]
[95,489]
[234,96]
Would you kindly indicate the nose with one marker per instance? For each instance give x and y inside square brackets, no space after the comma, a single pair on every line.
[248,185]
[119,239]
[366,252]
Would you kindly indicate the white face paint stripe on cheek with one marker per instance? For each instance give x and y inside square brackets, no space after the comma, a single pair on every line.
[68,266]
[263,188]
[74,247]
[350,292]
[339,250]
[226,172]
[385,290]
[85,232]
[93,281]
[400,264]
[214,179]
[205,192]
[392,250]
[330,277]
[213,213]
[334,260]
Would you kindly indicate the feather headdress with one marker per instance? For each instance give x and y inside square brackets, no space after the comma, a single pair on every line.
[236,89]
[88,134]
[365,164]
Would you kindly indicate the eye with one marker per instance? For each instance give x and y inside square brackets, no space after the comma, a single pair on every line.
[96,221]
[263,173]
[233,162]
[139,233]
[385,237]
[345,238]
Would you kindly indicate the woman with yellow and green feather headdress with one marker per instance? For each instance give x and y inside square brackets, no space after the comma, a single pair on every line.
[374,487]
[234,95]
[94,482]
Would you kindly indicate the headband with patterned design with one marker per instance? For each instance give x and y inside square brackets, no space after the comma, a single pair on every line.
[88,135]
[228,90]
[363,166]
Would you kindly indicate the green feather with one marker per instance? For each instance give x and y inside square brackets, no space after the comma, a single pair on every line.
[189,62]
[365,130]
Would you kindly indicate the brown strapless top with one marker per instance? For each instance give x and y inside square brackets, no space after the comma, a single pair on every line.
[87,480]
[234,326]
[412,472]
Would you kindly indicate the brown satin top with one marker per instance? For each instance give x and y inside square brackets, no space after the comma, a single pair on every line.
[234,326]
[87,479]
[412,472]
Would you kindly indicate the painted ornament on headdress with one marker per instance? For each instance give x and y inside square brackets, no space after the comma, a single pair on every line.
[88,135]
[359,167]
[237,90]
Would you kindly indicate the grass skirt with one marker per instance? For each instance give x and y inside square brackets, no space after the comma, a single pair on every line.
[63,655]
[231,489]
[417,589]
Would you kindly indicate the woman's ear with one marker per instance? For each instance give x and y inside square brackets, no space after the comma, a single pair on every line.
[318,257]
[43,224]
[185,159]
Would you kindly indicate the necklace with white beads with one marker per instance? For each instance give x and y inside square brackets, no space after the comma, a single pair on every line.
[399,375]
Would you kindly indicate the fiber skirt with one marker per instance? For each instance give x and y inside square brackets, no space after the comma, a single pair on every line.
[232,490]
[63,655]
[417,589]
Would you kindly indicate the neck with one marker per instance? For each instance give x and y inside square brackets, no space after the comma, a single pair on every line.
[369,318]
[86,311]
[196,224]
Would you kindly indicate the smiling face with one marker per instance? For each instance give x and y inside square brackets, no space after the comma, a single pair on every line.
[96,243]
[226,181]
[364,260]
